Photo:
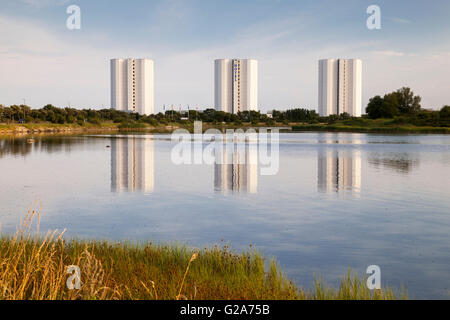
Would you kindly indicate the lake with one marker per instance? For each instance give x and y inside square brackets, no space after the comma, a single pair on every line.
[338,201]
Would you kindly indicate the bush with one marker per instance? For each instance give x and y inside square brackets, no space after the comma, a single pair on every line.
[152,122]
[400,120]
[445,112]
[132,125]
[94,121]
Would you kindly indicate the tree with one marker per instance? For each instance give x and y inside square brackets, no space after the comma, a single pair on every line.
[445,112]
[402,101]
[375,108]
[8,114]
[390,106]
[408,103]
[344,116]
[25,111]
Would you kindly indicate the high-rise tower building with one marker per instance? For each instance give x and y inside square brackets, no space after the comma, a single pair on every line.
[340,87]
[132,85]
[236,85]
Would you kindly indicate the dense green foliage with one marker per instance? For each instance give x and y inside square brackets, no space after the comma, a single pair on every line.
[405,109]
[52,114]
[56,115]
[445,113]
[400,102]
[400,108]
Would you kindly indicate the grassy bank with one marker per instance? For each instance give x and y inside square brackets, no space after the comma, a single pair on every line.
[127,126]
[356,129]
[47,127]
[35,268]
[365,125]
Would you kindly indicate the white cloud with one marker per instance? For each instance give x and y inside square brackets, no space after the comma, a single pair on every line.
[45,3]
[44,66]
[388,53]
[48,68]
[400,20]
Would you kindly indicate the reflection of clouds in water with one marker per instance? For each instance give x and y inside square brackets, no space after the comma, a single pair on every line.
[236,169]
[339,170]
[132,165]
[399,162]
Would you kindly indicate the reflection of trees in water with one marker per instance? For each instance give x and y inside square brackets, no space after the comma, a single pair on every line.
[13,146]
[400,162]
[19,146]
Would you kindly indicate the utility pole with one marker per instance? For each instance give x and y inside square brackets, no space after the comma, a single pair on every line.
[23,109]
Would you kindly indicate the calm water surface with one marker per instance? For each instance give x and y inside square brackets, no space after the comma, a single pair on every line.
[338,201]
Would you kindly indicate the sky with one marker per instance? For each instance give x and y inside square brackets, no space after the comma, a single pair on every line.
[43,62]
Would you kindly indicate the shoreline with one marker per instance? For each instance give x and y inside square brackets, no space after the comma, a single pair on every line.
[380,130]
[45,128]
[53,128]
[147,271]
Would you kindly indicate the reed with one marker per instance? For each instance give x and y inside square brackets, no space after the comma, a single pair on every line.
[34,267]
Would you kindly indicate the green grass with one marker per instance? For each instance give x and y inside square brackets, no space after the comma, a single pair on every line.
[148,271]
[54,127]
[362,125]
[133,125]
[376,127]
[35,268]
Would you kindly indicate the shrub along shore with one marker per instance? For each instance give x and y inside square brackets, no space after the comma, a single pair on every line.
[356,126]
[398,129]
[397,112]
[33,267]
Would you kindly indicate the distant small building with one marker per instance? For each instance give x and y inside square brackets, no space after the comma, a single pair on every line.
[184,114]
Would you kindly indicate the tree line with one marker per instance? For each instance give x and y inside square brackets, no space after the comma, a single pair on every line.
[405,107]
[402,105]
[52,114]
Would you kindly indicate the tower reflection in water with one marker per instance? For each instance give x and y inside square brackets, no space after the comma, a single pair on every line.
[339,170]
[236,169]
[132,164]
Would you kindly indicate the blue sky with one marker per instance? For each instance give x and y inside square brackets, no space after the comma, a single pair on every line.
[44,62]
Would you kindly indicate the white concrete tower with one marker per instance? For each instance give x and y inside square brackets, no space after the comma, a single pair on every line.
[327,87]
[340,87]
[236,85]
[132,85]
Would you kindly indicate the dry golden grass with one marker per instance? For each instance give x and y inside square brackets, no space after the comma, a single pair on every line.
[35,268]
